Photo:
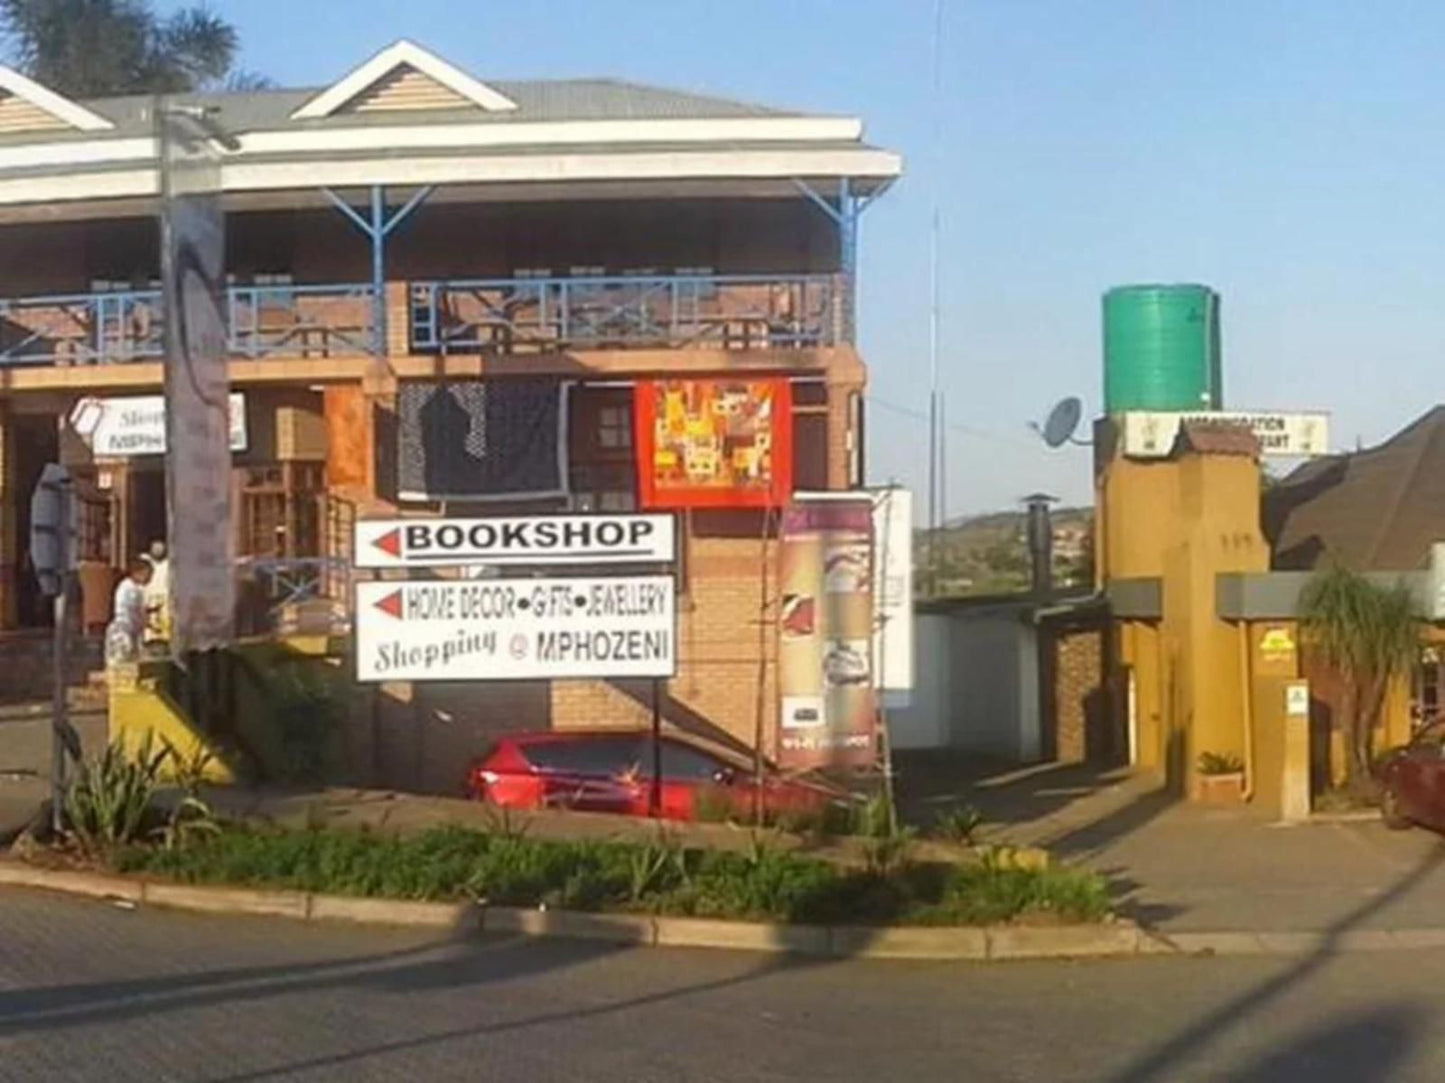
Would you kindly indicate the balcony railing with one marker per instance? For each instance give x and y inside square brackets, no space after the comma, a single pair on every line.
[728,311]
[503,315]
[123,326]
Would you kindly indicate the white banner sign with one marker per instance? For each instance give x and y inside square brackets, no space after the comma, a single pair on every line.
[1151,434]
[551,539]
[516,629]
[121,428]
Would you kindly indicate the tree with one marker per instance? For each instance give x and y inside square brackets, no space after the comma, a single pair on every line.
[94,48]
[1368,634]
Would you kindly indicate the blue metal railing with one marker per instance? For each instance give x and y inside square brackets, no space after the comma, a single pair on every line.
[300,321]
[500,314]
[728,311]
[82,329]
[122,326]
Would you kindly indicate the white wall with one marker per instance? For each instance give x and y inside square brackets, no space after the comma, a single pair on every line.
[923,723]
[992,707]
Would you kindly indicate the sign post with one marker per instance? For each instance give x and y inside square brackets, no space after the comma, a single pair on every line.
[654,801]
[52,550]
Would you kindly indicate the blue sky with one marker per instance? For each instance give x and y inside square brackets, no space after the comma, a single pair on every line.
[1286,152]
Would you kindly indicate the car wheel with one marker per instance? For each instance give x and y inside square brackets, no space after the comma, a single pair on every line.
[1390,811]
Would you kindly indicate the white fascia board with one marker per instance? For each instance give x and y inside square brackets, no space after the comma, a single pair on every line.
[63,109]
[556,133]
[459,136]
[387,61]
[241,176]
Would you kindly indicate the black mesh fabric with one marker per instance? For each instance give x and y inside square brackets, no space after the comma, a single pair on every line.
[481,440]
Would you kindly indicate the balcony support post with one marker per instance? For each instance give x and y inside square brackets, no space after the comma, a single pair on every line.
[843,212]
[378,226]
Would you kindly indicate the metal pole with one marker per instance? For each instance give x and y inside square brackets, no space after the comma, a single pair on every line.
[654,800]
[59,723]
[378,270]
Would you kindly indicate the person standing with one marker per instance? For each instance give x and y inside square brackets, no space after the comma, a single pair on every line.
[158,595]
[127,627]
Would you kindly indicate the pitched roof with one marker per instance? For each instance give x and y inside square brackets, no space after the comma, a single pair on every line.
[407,60]
[1374,510]
[66,113]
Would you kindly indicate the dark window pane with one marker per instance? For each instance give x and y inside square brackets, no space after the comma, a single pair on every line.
[684,763]
[604,756]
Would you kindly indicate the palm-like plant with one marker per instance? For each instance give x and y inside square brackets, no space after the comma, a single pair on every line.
[93,48]
[1369,635]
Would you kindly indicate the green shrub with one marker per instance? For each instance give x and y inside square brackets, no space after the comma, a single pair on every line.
[959,825]
[1220,763]
[658,876]
[111,800]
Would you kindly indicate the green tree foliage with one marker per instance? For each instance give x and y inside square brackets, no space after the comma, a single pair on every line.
[1369,635]
[94,48]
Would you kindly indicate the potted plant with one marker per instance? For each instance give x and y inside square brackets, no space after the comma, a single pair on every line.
[1219,779]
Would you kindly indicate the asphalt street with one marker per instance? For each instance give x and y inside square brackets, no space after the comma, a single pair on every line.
[92,992]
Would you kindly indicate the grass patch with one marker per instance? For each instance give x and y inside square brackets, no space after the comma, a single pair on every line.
[762,883]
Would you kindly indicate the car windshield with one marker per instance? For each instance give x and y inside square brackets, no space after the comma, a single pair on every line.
[606,756]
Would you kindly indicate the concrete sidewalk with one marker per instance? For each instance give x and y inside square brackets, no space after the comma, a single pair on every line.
[1178,867]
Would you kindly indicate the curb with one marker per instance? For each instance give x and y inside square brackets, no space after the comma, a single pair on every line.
[1116,939]
[1122,938]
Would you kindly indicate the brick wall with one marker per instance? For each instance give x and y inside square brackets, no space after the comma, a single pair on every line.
[727,654]
[1079,701]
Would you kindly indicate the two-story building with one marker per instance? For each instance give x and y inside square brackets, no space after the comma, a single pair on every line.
[528,250]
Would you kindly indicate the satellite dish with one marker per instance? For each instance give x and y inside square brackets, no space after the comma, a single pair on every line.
[1062,421]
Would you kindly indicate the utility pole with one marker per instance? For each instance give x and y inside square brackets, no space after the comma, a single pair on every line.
[53,552]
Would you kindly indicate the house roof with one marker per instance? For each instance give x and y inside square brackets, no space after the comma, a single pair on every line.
[1374,510]
[421,120]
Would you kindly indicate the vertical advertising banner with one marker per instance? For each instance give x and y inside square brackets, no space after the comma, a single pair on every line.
[825,664]
[197,389]
[716,443]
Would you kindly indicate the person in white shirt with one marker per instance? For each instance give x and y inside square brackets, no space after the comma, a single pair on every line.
[158,595]
[128,619]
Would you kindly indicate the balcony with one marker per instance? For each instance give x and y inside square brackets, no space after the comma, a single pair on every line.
[120,327]
[517,315]
[509,315]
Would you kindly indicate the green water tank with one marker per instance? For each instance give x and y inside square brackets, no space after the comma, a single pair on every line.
[1161,349]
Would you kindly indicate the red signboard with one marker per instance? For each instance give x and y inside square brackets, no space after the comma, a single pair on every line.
[714,443]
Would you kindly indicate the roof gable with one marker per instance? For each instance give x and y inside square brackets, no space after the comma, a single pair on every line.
[25,105]
[1378,509]
[404,76]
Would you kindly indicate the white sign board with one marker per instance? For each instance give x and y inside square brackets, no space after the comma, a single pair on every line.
[516,629]
[121,428]
[1151,434]
[1297,698]
[547,539]
[893,646]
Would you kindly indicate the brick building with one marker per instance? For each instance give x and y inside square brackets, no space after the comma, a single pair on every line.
[408,224]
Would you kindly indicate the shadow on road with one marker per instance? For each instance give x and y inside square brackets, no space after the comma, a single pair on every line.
[1371,1045]
[456,964]
[1164,1061]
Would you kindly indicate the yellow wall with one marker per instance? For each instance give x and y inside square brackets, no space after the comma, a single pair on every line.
[1183,520]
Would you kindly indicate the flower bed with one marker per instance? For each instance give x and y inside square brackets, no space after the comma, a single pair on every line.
[660,877]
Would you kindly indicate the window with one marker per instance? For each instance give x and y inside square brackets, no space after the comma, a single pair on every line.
[602,756]
[683,763]
[601,464]
[614,428]
[1425,701]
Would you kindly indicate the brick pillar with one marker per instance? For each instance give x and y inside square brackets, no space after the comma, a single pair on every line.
[843,440]
[398,319]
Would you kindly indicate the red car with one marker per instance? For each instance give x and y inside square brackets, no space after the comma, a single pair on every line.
[612,772]
[1412,780]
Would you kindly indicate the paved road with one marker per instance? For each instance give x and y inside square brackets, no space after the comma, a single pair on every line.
[90,992]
